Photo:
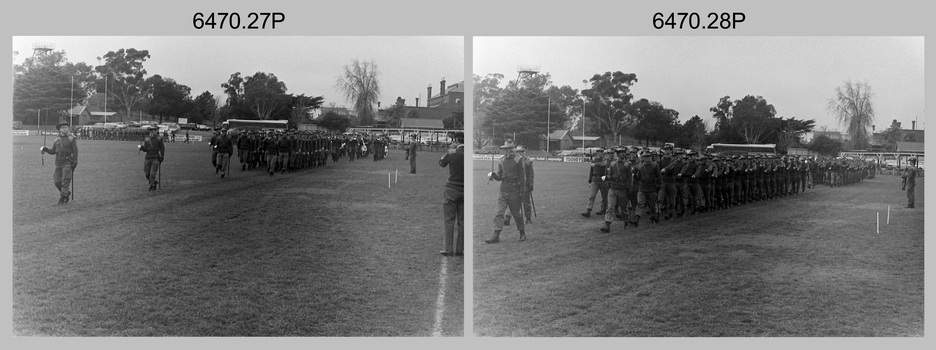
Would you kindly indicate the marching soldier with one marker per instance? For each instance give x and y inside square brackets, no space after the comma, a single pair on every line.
[213,143]
[224,147]
[620,179]
[65,150]
[703,191]
[510,173]
[243,150]
[155,153]
[693,190]
[647,180]
[682,188]
[271,150]
[284,149]
[596,173]
[669,166]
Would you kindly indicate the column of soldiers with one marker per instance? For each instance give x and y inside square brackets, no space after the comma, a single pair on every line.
[654,185]
[291,151]
[841,171]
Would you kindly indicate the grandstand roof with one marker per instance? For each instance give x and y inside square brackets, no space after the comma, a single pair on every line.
[910,146]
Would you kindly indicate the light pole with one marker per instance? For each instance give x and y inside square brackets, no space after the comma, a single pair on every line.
[71,98]
[105,99]
[548,102]
[585,83]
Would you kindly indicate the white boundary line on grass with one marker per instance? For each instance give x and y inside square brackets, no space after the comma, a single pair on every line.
[440,299]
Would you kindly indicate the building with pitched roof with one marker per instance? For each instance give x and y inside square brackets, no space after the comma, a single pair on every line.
[447,106]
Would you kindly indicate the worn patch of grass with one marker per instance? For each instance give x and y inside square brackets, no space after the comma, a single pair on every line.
[807,265]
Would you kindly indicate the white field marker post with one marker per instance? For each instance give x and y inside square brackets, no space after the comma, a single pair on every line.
[388,179]
[878,222]
[888,215]
[395,176]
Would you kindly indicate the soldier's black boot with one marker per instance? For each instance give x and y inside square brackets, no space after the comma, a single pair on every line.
[507,220]
[61,200]
[587,214]
[607,227]
[495,238]
[522,236]
[636,221]
[529,221]
[601,212]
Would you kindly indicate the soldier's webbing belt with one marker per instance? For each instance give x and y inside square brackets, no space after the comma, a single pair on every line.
[512,181]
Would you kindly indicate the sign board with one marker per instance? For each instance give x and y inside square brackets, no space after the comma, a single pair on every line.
[536,158]
[181,138]
[20,132]
[183,121]
[486,156]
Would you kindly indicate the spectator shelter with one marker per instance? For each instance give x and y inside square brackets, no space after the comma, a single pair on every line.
[904,151]
[427,131]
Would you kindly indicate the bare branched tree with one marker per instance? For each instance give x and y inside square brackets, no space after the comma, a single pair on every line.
[854,110]
[360,86]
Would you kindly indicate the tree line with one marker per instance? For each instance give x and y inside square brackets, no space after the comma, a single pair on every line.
[528,107]
[50,84]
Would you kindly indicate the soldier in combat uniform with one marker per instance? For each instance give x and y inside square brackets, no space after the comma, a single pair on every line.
[620,177]
[909,181]
[66,160]
[155,153]
[411,154]
[596,172]
[526,197]
[648,181]
[510,174]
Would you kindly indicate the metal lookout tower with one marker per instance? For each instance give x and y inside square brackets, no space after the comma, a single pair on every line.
[524,73]
[40,49]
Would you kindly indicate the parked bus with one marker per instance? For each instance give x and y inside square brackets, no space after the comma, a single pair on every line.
[742,149]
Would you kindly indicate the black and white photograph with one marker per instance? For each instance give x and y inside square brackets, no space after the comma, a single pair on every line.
[233,186]
[698,186]
[281,174]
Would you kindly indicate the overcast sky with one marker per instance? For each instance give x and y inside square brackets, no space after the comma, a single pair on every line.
[797,75]
[307,65]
